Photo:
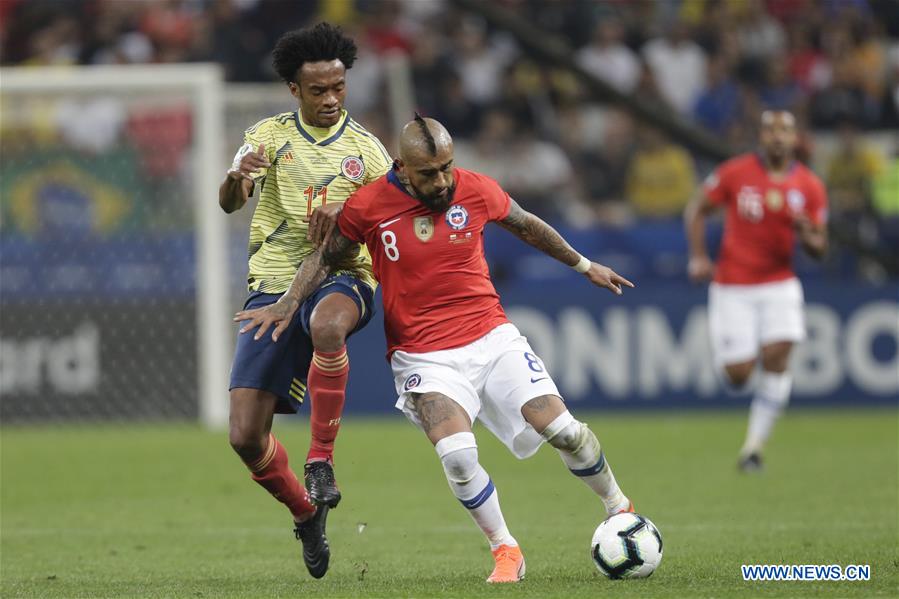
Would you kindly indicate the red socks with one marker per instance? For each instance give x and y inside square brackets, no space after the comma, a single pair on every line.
[272,471]
[328,375]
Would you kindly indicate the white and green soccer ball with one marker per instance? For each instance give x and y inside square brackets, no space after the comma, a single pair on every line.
[626,545]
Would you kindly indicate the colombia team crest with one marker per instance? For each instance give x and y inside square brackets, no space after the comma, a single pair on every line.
[424,227]
[457,217]
[352,168]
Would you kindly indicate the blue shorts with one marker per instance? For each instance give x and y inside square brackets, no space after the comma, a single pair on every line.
[282,367]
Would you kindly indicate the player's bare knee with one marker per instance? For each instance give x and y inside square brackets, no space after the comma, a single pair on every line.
[328,335]
[248,444]
[459,455]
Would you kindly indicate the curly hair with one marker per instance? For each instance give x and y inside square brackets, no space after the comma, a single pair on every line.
[311,44]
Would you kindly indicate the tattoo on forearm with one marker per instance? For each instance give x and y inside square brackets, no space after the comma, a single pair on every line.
[338,248]
[310,275]
[537,233]
[315,267]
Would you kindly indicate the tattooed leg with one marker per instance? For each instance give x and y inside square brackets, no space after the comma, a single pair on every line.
[440,416]
[447,426]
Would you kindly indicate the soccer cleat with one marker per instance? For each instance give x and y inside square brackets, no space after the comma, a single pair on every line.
[750,463]
[311,533]
[319,479]
[629,508]
[509,564]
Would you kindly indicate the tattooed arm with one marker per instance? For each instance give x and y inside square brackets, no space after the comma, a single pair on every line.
[312,272]
[533,231]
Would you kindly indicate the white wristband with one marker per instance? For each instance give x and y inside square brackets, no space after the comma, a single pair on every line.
[582,266]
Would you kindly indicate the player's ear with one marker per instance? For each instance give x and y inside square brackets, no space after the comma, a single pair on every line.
[294,89]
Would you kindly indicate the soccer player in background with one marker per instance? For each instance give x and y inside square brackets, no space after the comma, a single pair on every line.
[454,354]
[755,301]
[299,160]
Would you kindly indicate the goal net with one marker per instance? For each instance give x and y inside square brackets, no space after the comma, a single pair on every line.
[113,254]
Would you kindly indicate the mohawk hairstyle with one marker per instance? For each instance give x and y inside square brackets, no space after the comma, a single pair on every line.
[311,44]
[432,145]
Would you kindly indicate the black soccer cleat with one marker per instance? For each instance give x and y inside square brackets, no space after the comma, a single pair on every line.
[316,552]
[319,479]
[750,463]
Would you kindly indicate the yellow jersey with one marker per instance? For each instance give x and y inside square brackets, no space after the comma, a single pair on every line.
[310,167]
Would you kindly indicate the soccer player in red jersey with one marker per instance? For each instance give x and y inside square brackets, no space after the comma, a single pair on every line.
[756,301]
[454,354]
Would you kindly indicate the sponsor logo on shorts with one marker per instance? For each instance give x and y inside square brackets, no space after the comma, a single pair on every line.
[412,382]
[352,168]
[457,217]
[542,378]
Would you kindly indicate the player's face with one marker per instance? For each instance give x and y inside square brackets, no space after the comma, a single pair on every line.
[431,178]
[321,92]
[778,135]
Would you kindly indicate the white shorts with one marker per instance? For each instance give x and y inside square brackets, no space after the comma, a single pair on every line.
[742,318]
[491,378]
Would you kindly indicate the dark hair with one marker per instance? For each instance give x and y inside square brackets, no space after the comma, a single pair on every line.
[432,145]
[311,44]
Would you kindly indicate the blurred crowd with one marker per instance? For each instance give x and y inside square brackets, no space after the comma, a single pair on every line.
[719,63]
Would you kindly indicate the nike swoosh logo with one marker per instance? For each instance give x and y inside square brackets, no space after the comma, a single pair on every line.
[390,222]
[543,378]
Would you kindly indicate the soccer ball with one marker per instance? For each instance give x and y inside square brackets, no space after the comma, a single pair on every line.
[626,545]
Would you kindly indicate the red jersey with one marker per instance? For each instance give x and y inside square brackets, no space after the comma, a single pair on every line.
[759,240]
[434,278]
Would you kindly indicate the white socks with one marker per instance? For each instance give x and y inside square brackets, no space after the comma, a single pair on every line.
[472,486]
[581,452]
[772,394]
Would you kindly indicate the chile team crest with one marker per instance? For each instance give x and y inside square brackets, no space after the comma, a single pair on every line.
[412,382]
[457,217]
[795,200]
[352,168]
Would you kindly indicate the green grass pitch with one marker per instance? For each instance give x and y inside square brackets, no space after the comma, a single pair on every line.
[142,511]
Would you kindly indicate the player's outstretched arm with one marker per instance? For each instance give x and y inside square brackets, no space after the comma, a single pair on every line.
[313,270]
[700,266]
[535,232]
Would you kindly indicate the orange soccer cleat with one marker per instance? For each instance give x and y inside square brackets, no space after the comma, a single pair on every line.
[629,508]
[509,564]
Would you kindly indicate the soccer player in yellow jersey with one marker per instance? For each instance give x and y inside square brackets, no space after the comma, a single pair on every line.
[316,156]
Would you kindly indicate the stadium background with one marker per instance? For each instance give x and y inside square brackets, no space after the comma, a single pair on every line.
[118,274]
[99,229]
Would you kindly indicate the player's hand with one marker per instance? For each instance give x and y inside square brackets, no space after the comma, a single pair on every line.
[278,314]
[603,276]
[700,269]
[322,222]
[247,162]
